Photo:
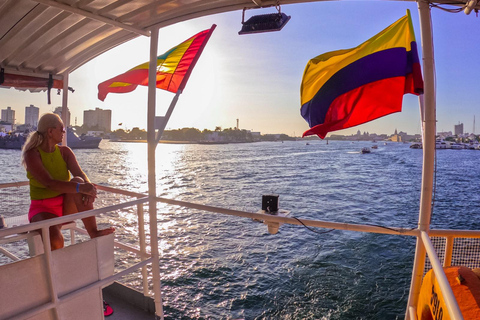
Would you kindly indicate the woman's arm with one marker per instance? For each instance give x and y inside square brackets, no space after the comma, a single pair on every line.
[72,163]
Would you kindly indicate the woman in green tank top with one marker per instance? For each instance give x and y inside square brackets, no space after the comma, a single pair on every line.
[52,190]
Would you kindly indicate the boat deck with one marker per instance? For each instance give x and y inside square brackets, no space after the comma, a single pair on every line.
[128,303]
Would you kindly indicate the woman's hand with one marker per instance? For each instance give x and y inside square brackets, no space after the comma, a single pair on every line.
[88,200]
[88,189]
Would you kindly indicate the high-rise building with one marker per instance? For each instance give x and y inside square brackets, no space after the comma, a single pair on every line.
[458,129]
[58,110]
[99,119]
[31,116]
[8,115]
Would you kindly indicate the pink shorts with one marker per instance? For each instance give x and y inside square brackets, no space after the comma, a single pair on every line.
[51,205]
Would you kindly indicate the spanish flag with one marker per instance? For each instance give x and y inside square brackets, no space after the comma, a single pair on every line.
[345,88]
[173,68]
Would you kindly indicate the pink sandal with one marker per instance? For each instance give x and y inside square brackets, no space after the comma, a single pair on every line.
[107,310]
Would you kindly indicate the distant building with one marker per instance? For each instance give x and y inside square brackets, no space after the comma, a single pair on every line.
[95,133]
[215,136]
[99,119]
[8,115]
[458,129]
[31,116]
[58,110]
[396,137]
[23,128]
[443,135]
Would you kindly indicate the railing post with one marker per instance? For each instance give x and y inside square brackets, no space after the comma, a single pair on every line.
[72,237]
[47,249]
[152,187]
[143,248]
[447,262]
[429,126]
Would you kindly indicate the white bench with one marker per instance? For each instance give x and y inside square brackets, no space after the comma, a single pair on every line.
[34,240]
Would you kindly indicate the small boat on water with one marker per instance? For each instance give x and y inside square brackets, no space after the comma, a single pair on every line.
[416,146]
[457,146]
[12,141]
[375,146]
[365,150]
[16,141]
[442,144]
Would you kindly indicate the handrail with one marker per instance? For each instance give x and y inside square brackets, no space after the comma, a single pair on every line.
[121,191]
[456,233]
[412,312]
[68,218]
[267,217]
[14,184]
[307,222]
[447,292]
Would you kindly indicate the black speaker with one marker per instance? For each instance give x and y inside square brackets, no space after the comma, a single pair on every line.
[270,202]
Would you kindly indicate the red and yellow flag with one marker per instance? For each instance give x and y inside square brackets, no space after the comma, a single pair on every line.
[173,68]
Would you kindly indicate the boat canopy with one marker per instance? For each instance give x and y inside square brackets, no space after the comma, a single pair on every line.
[44,38]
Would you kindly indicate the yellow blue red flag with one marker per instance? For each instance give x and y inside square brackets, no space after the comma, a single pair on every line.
[345,88]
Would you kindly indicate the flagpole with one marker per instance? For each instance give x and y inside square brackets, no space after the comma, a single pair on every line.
[429,129]
[65,108]
[161,127]
[163,124]
[152,189]
[421,104]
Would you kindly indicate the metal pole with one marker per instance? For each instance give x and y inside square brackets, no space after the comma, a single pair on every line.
[421,104]
[161,129]
[449,241]
[47,249]
[447,292]
[428,150]
[65,106]
[152,190]
[143,247]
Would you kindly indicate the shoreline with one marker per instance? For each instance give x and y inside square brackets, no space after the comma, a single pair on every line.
[181,142]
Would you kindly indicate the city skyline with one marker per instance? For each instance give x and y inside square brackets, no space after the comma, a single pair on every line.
[121,126]
[256,78]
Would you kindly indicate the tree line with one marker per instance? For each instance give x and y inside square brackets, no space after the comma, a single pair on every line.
[195,135]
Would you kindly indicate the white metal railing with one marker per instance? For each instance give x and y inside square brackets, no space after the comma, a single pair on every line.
[21,232]
[15,233]
[449,297]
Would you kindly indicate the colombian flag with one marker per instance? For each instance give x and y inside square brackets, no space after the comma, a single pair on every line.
[173,68]
[345,88]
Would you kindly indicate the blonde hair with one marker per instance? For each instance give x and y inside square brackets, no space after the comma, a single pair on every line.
[35,138]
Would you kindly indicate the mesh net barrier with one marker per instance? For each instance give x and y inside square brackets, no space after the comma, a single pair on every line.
[465,252]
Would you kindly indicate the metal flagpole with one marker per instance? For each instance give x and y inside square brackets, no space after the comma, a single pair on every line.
[152,189]
[429,129]
[421,104]
[164,120]
[65,107]
[152,144]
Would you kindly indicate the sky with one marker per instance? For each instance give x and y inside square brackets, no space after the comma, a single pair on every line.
[256,78]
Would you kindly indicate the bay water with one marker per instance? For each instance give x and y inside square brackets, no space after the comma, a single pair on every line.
[222,267]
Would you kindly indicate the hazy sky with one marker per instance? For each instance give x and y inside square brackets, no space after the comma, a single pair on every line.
[256,78]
